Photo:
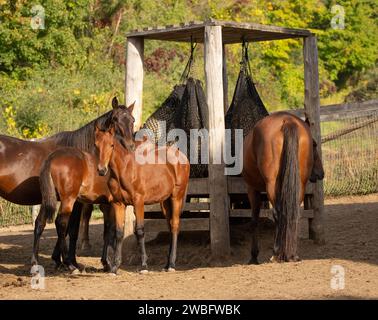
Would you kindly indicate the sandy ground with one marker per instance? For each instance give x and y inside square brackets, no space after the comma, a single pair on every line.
[352,243]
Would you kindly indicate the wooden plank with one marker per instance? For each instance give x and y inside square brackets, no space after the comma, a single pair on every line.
[312,109]
[219,200]
[189,206]
[188,224]
[266,213]
[198,186]
[236,185]
[134,78]
[342,111]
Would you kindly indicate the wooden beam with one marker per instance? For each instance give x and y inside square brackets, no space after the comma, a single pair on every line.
[133,92]
[134,77]
[219,200]
[312,110]
[233,31]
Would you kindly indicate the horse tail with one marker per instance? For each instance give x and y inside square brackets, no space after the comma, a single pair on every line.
[49,198]
[287,194]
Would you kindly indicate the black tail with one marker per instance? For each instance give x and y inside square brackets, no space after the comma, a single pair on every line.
[287,204]
[49,199]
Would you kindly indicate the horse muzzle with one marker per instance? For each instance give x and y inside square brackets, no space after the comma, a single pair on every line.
[102,171]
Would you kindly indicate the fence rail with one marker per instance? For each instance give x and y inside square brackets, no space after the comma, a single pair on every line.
[335,112]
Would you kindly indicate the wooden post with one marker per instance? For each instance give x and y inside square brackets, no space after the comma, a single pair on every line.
[219,201]
[225,80]
[312,110]
[134,77]
[133,92]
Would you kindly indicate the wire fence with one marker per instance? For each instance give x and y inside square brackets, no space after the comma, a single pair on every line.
[350,155]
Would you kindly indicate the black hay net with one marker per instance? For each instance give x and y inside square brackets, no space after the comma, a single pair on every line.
[186,108]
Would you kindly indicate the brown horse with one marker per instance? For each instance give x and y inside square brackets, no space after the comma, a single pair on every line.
[69,175]
[137,184]
[279,157]
[21,161]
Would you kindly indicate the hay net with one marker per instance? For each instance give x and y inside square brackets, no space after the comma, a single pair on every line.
[246,108]
[185,108]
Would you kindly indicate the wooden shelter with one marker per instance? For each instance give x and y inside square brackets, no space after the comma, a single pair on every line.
[215,35]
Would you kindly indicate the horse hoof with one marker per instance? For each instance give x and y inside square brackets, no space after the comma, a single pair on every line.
[253,261]
[275,259]
[170,269]
[75,272]
[143,271]
[113,274]
[295,259]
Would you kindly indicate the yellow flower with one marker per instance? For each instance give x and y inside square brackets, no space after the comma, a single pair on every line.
[76,92]
[39,90]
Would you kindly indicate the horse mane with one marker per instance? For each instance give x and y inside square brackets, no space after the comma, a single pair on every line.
[82,138]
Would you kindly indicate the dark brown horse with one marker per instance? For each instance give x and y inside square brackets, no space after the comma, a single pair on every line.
[69,175]
[279,157]
[134,183]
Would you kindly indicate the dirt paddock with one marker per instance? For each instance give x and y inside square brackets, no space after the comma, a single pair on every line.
[352,243]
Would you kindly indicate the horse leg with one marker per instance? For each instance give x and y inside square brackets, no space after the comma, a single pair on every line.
[255,201]
[86,213]
[119,214]
[39,226]
[139,232]
[271,193]
[61,224]
[56,255]
[174,222]
[167,212]
[73,231]
[105,208]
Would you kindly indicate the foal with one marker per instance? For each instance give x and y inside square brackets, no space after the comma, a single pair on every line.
[137,184]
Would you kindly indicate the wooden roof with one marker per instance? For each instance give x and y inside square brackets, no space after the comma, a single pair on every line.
[233,32]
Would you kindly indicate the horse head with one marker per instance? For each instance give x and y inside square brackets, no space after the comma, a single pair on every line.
[123,122]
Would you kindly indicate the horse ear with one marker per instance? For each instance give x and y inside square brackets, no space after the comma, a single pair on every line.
[112,129]
[115,103]
[97,128]
[131,107]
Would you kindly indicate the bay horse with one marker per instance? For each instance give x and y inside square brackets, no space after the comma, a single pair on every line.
[69,175]
[163,180]
[279,157]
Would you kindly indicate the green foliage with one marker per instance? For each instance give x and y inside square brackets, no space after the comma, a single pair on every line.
[60,77]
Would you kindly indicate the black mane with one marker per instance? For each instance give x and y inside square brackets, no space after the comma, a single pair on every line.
[82,138]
